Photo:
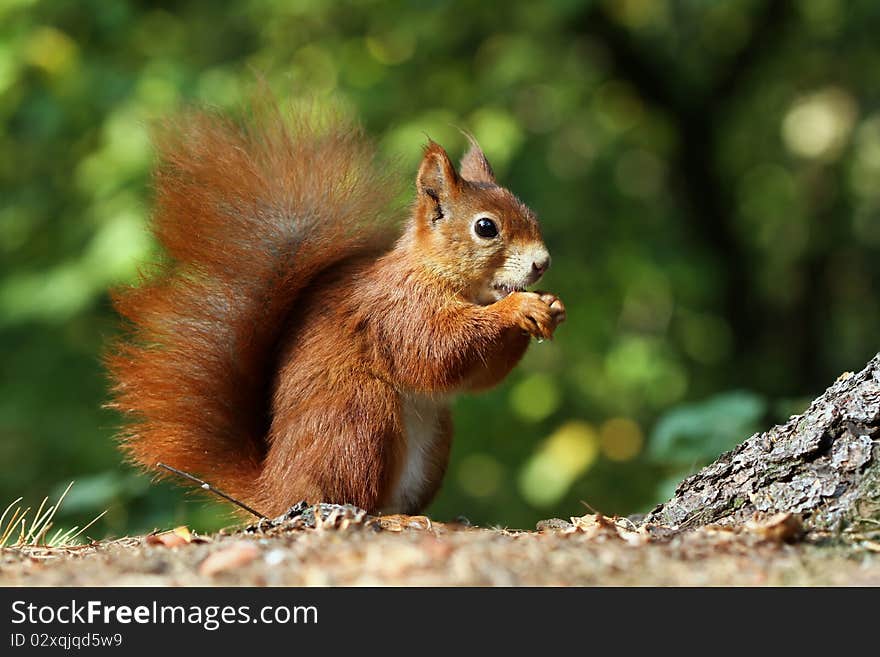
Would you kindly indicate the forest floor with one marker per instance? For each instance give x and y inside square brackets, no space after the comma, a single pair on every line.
[349,548]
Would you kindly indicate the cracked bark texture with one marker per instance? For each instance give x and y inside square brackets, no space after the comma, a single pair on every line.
[823,464]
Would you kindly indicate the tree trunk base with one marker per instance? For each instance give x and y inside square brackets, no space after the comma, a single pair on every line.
[823,465]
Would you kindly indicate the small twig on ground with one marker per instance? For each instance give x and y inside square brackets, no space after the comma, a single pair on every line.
[590,507]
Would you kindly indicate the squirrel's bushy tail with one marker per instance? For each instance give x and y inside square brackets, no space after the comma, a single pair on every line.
[247,216]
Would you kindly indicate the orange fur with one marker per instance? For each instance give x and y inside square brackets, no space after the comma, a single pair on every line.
[280,349]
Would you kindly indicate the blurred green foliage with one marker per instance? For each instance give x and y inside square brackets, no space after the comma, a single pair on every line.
[706,172]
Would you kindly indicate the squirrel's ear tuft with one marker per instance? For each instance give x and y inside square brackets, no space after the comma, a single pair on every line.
[474,165]
[437,178]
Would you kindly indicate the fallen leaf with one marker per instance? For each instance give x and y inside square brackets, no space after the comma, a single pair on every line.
[398,522]
[598,526]
[236,555]
[175,538]
[588,522]
[779,528]
[184,533]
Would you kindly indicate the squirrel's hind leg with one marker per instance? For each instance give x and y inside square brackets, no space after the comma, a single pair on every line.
[344,448]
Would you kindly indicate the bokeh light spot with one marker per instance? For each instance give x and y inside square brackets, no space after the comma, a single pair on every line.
[558,462]
[618,107]
[535,398]
[51,50]
[499,134]
[705,338]
[818,125]
[621,439]
[479,475]
[391,48]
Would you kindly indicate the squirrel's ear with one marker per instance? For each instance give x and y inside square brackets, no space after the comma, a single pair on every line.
[437,178]
[474,165]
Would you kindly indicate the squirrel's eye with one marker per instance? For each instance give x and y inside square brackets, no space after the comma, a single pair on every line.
[485,228]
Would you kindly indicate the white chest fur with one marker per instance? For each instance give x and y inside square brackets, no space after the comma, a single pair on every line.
[421,425]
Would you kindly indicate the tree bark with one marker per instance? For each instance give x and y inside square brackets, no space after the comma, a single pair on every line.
[823,464]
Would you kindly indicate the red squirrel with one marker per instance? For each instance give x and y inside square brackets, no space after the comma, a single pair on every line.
[294,344]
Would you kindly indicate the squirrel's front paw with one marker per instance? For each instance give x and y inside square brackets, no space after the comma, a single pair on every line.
[557,308]
[539,313]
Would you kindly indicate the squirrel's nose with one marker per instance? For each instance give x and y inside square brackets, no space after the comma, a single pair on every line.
[541,265]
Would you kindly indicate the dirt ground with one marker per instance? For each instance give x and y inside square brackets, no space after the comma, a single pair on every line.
[344,548]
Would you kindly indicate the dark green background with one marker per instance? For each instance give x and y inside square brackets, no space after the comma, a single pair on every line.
[706,172]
